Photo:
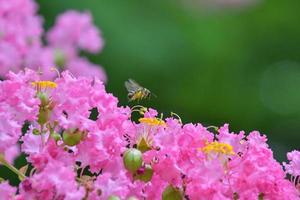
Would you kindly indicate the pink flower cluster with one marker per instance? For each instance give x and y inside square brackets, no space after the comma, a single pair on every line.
[21,45]
[81,145]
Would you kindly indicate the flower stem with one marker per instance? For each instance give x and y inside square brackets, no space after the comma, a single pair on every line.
[11,167]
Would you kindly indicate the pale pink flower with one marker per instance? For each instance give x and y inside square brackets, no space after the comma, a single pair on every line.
[82,67]
[75,29]
[293,167]
[21,44]
[55,181]
[112,184]
[7,192]
[12,153]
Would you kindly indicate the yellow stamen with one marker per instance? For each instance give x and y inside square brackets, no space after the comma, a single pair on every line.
[152,121]
[43,84]
[218,147]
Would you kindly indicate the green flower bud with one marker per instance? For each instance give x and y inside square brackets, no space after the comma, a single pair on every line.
[113,197]
[171,193]
[146,175]
[35,131]
[72,137]
[132,159]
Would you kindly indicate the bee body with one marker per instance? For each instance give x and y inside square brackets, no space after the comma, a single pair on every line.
[135,91]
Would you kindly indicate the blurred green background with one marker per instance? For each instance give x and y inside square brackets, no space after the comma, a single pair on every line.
[237,65]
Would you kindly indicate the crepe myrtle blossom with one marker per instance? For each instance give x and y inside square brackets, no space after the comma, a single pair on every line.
[21,41]
[293,167]
[80,144]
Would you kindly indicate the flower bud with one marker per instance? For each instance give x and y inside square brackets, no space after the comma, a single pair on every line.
[35,131]
[171,193]
[72,137]
[145,174]
[113,197]
[132,159]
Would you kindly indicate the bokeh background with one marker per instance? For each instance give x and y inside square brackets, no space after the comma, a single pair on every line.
[214,62]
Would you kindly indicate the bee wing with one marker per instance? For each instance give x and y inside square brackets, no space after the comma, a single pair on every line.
[132,86]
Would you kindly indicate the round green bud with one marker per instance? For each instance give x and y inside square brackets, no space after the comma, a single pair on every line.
[113,197]
[146,175]
[35,131]
[171,193]
[132,159]
[72,137]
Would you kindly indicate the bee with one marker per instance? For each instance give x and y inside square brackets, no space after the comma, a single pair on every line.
[135,91]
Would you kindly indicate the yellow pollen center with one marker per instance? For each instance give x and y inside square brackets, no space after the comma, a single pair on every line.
[43,84]
[152,121]
[218,147]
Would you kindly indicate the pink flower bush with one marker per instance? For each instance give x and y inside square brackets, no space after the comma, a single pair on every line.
[81,145]
[21,43]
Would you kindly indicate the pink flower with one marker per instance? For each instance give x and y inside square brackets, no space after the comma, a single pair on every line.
[235,140]
[111,184]
[75,29]
[293,167]
[168,170]
[20,30]
[10,132]
[154,189]
[11,153]
[40,155]
[256,172]
[17,104]
[55,181]
[21,43]
[10,58]
[7,192]
[78,156]
[82,67]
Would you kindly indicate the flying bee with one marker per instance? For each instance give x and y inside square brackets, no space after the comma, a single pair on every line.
[135,91]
